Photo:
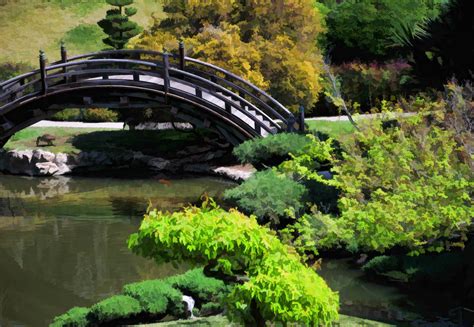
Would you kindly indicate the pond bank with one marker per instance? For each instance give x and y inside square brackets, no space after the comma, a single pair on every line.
[191,160]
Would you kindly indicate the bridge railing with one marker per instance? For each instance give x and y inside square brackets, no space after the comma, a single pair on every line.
[219,82]
[266,102]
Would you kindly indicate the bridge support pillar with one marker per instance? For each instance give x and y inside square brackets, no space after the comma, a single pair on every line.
[64,59]
[182,62]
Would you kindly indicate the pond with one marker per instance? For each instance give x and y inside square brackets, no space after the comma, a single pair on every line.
[63,240]
[63,244]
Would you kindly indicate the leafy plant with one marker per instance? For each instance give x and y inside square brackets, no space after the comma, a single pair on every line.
[401,185]
[117,25]
[272,283]
[117,307]
[367,29]
[270,196]
[271,150]
[200,287]
[271,44]
[156,297]
[75,317]
[100,115]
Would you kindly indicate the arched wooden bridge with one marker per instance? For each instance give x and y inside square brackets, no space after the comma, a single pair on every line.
[188,89]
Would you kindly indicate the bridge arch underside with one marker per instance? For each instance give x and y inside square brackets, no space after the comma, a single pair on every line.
[197,111]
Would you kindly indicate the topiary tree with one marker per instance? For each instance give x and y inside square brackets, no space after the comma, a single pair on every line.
[117,25]
[270,281]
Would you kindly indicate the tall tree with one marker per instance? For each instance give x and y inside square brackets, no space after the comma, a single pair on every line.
[273,44]
[117,24]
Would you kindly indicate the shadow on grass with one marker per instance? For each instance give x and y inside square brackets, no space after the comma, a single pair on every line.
[148,142]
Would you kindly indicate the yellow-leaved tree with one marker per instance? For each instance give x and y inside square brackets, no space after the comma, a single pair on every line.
[270,43]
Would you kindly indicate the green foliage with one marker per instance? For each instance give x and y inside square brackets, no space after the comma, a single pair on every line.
[366,85]
[87,115]
[400,186]
[382,263]
[276,285]
[117,25]
[200,287]
[156,297]
[100,115]
[75,317]
[115,308]
[368,29]
[271,44]
[271,150]
[442,53]
[10,70]
[269,195]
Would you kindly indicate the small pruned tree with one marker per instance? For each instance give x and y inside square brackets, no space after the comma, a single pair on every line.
[117,24]
[270,282]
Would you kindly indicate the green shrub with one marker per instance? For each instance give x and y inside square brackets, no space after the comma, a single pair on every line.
[366,85]
[400,186]
[67,115]
[156,297]
[275,285]
[269,195]
[75,317]
[372,29]
[271,150]
[9,70]
[200,287]
[118,307]
[211,308]
[100,115]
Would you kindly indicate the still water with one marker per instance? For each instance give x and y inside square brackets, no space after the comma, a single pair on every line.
[63,244]
[63,240]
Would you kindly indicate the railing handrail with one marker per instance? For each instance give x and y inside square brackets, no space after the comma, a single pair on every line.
[200,71]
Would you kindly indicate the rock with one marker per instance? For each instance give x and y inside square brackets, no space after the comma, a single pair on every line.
[158,164]
[42,156]
[61,158]
[19,162]
[197,168]
[46,169]
[237,172]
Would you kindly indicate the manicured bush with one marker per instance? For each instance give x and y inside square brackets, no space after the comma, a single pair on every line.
[75,317]
[68,115]
[100,115]
[118,307]
[272,284]
[271,150]
[156,297]
[269,195]
[200,287]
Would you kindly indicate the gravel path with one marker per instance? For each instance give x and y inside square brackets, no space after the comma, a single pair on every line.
[119,125]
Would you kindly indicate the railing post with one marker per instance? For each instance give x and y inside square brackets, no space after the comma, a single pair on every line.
[301,118]
[42,61]
[64,59]
[182,62]
[290,124]
[166,74]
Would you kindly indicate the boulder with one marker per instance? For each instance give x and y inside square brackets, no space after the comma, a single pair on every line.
[45,169]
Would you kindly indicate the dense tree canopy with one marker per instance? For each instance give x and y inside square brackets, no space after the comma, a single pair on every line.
[372,29]
[272,44]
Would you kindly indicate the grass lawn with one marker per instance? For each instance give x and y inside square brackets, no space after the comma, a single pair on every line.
[333,128]
[75,140]
[26,26]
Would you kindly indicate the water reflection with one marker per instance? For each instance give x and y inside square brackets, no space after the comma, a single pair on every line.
[62,240]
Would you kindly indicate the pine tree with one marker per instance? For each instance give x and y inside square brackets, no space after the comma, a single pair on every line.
[117,25]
